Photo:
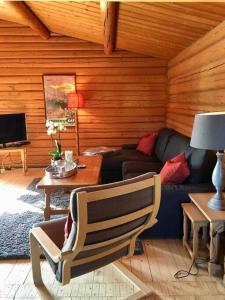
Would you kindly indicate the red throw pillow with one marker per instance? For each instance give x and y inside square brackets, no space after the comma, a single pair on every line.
[147,143]
[175,170]
[68,226]
[179,158]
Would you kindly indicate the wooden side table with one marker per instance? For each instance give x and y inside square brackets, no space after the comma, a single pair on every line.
[216,219]
[198,220]
[23,155]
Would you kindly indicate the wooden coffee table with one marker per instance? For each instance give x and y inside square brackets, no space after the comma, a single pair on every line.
[84,177]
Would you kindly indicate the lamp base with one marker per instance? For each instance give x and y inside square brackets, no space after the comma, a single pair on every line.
[216,203]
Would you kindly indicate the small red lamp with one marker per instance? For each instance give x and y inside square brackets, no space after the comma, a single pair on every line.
[75,101]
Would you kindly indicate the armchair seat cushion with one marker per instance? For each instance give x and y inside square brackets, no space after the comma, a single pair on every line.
[54,229]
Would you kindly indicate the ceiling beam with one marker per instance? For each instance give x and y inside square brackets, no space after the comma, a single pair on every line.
[29,17]
[109,11]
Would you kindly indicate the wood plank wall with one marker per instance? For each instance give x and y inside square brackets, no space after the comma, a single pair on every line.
[197,81]
[125,93]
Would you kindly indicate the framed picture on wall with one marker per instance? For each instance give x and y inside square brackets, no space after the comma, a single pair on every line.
[57,91]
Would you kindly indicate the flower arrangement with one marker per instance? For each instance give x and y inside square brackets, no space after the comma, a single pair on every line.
[54,128]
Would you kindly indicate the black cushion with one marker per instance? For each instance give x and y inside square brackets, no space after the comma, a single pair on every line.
[115,162]
[177,144]
[162,141]
[201,164]
[139,167]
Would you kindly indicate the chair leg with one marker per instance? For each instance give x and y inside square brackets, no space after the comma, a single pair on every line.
[204,235]
[36,269]
[144,289]
[185,229]
[35,261]
[195,241]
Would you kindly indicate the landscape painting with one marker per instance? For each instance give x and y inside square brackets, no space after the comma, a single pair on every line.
[56,91]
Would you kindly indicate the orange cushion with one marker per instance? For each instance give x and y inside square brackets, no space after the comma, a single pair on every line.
[147,143]
[175,170]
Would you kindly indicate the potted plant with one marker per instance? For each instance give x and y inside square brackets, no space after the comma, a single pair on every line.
[54,128]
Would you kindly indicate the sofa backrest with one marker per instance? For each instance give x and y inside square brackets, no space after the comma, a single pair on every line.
[201,162]
[162,141]
[177,144]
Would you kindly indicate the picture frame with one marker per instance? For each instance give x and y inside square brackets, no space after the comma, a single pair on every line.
[57,90]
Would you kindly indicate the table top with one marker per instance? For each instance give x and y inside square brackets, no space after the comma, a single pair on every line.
[13,149]
[86,176]
[201,201]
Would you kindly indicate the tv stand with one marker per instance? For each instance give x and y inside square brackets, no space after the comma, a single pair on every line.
[23,155]
[14,144]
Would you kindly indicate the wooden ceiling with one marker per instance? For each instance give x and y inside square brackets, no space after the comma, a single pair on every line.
[154,29]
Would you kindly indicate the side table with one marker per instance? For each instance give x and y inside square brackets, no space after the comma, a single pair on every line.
[23,155]
[102,150]
[216,220]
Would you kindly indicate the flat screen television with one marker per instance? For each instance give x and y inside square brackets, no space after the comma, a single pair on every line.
[12,128]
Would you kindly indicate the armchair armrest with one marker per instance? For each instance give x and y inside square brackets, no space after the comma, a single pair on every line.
[46,243]
[129,146]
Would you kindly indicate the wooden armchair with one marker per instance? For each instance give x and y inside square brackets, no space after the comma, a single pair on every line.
[106,221]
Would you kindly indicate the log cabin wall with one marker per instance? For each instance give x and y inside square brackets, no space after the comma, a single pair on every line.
[125,93]
[197,81]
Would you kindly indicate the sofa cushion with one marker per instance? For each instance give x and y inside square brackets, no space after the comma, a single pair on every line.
[175,170]
[201,164]
[115,162]
[162,140]
[131,168]
[177,143]
[132,175]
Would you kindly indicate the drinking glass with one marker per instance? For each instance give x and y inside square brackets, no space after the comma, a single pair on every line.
[60,164]
[69,156]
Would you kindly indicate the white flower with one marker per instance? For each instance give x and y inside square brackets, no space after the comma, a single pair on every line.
[54,127]
[61,127]
[51,130]
[49,123]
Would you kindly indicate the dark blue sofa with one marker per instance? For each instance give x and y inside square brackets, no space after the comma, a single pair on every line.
[130,163]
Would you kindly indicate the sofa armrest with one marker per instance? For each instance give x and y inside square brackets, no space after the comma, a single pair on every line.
[170,215]
[129,146]
[189,188]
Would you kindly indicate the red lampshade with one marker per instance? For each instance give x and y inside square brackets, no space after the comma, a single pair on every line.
[75,100]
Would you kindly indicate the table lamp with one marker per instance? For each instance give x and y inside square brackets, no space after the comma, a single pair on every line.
[209,133]
[75,101]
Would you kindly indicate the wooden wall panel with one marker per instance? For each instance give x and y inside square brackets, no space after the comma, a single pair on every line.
[197,81]
[125,93]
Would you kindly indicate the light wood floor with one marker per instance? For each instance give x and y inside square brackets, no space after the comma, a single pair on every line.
[161,260]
